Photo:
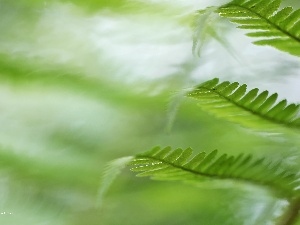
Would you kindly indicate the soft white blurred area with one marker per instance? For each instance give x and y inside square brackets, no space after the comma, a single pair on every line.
[80,88]
[28,120]
[140,51]
[141,48]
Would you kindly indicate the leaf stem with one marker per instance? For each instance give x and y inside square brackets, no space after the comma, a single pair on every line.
[290,216]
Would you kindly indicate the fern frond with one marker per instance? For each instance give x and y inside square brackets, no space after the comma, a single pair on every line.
[277,28]
[232,102]
[113,169]
[206,29]
[168,164]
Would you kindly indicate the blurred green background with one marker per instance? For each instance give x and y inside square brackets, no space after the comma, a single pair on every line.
[86,82]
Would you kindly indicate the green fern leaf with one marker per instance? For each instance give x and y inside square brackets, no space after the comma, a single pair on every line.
[168,164]
[113,169]
[232,102]
[277,28]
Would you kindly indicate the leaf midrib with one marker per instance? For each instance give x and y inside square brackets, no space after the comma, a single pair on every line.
[267,20]
[270,119]
[269,184]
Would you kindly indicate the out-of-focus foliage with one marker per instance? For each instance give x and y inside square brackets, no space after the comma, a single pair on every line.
[85,82]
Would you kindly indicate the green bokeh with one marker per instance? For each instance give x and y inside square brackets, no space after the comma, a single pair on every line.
[70,103]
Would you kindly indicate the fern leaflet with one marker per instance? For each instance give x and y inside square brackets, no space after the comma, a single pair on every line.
[168,164]
[232,102]
[277,28]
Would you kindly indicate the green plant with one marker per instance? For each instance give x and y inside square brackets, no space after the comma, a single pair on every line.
[260,113]
[84,82]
